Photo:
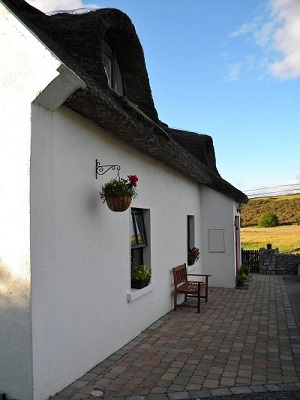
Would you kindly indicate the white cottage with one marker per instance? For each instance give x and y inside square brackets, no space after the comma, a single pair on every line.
[74,89]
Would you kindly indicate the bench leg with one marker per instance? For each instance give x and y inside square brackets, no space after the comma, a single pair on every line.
[175,300]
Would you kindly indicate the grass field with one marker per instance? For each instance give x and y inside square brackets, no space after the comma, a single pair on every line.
[286,238]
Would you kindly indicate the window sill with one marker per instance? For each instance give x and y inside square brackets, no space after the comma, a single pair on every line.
[135,294]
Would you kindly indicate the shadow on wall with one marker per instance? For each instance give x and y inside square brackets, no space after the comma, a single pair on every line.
[15,332]
[14,289]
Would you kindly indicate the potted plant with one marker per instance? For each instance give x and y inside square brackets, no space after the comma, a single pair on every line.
[118,193]
[193,255]
[140,275]
[245,269]
[241,278]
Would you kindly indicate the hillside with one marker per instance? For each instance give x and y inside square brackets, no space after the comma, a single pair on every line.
[286,207]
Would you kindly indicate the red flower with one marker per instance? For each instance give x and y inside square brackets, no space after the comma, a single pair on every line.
[193,251]
[133,180]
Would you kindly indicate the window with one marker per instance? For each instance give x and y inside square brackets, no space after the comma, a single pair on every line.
[112,69]
[138,236]
[190,238]
[190,232]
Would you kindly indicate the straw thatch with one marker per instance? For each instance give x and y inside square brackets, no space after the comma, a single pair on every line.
[77,39]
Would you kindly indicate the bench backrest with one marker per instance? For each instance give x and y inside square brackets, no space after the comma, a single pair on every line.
[180,274]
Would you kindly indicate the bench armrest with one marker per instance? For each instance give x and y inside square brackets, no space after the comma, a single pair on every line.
[199,275]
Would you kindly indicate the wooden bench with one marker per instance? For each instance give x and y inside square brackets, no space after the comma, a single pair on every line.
[190,288]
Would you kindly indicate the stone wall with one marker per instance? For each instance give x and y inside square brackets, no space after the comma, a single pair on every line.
[272,262]
[288,263]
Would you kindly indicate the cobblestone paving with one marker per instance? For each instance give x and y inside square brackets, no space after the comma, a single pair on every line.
[242,342]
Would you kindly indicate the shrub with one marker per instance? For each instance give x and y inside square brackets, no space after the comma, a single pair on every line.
[245,269]
[268,220]
[240,279]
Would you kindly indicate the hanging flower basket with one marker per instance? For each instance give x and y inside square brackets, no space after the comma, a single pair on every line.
[118,193]
[118,204]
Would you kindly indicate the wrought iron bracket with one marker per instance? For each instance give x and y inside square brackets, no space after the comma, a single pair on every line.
[102,169]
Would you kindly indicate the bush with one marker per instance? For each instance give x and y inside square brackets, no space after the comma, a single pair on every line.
[268,220]
[139,273]
[241,278]
[245,269]
[287,209]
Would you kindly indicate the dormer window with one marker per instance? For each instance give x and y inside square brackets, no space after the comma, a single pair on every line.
[112,69]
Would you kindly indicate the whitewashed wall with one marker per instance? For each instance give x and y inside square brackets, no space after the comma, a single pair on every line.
[64,256]
[217,213]
[81,249]
[20,82]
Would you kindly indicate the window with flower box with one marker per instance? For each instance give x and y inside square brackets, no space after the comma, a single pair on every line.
[140,237]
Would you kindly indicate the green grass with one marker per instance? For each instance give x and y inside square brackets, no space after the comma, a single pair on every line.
[286,238]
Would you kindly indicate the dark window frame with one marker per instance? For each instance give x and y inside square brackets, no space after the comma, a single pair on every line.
[110,53]
[138,224]
[190,232]
[138,227]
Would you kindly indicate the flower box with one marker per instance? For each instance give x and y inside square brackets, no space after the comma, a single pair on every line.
[140,284]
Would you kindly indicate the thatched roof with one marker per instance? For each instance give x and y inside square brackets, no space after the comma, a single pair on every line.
[77,39]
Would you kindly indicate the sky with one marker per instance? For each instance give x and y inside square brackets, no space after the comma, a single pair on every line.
[229,69]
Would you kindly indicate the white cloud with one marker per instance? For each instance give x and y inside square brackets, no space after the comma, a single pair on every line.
[287,38]
[277,33]
[56,5]
[234,72]
[263,34]
[244,29]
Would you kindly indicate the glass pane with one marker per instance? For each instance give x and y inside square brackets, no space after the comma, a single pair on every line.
[132,232]
[118,79]
[137,256]
[108,66]
[140,229]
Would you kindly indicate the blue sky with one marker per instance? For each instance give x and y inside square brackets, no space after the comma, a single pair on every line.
[229,69]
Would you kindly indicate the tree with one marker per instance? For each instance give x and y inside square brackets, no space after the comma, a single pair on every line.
[268,220]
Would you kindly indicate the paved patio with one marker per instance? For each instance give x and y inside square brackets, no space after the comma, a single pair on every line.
[243,341]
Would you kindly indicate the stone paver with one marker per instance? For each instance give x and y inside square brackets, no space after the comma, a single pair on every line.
[241,342]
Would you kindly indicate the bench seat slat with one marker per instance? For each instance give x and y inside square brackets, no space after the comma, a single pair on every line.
[190,287]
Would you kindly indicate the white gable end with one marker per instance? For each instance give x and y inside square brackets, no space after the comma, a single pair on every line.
[26,69]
